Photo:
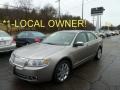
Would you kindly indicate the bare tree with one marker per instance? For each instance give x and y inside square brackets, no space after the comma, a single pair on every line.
[24,4]
[49,11]
[6,5]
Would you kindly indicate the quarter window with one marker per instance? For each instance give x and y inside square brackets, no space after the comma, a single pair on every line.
[91,36]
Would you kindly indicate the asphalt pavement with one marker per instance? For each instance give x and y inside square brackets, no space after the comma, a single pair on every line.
[93,75]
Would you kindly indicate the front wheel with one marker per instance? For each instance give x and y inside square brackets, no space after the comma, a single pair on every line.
[99,54]
[62,71]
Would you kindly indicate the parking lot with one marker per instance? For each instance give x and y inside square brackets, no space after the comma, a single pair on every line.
[93,75]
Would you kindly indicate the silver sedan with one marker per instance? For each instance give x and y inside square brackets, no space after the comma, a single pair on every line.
[6,42]
[56,56]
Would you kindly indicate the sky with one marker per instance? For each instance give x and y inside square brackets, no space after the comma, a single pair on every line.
[111,14]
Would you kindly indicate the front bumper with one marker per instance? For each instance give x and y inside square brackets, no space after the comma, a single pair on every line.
[40,74]
[7,48]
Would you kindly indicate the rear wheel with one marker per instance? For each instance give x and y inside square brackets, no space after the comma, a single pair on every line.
[62,71]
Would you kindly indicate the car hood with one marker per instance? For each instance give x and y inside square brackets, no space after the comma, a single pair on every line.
[37,51]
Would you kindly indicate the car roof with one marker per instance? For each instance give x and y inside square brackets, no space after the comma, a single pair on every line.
[32,32]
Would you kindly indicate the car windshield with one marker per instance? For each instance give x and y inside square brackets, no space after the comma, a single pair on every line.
[60,38]
[4,34]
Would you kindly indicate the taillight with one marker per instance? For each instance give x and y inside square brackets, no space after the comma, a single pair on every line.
[37,40]
[13,41]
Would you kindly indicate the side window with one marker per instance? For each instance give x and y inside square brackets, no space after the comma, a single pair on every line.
[91,36]
[81,37]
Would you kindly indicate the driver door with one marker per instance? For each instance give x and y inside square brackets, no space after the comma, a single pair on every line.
[80,52]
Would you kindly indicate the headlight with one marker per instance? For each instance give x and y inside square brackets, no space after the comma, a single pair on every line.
[12,58]
[37,63]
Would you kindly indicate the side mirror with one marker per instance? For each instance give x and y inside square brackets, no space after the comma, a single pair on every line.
[78,44]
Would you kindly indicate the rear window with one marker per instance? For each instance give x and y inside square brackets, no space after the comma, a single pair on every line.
[4,34]
[22,35]
[30,35]
[38,34]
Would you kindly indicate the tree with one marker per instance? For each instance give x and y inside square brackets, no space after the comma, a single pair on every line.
[108,27]
[24,4]
[24,11]
[118,27]
[48,11]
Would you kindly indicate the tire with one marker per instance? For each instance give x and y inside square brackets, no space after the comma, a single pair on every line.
[62,71]
[98,54]
[101,36]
